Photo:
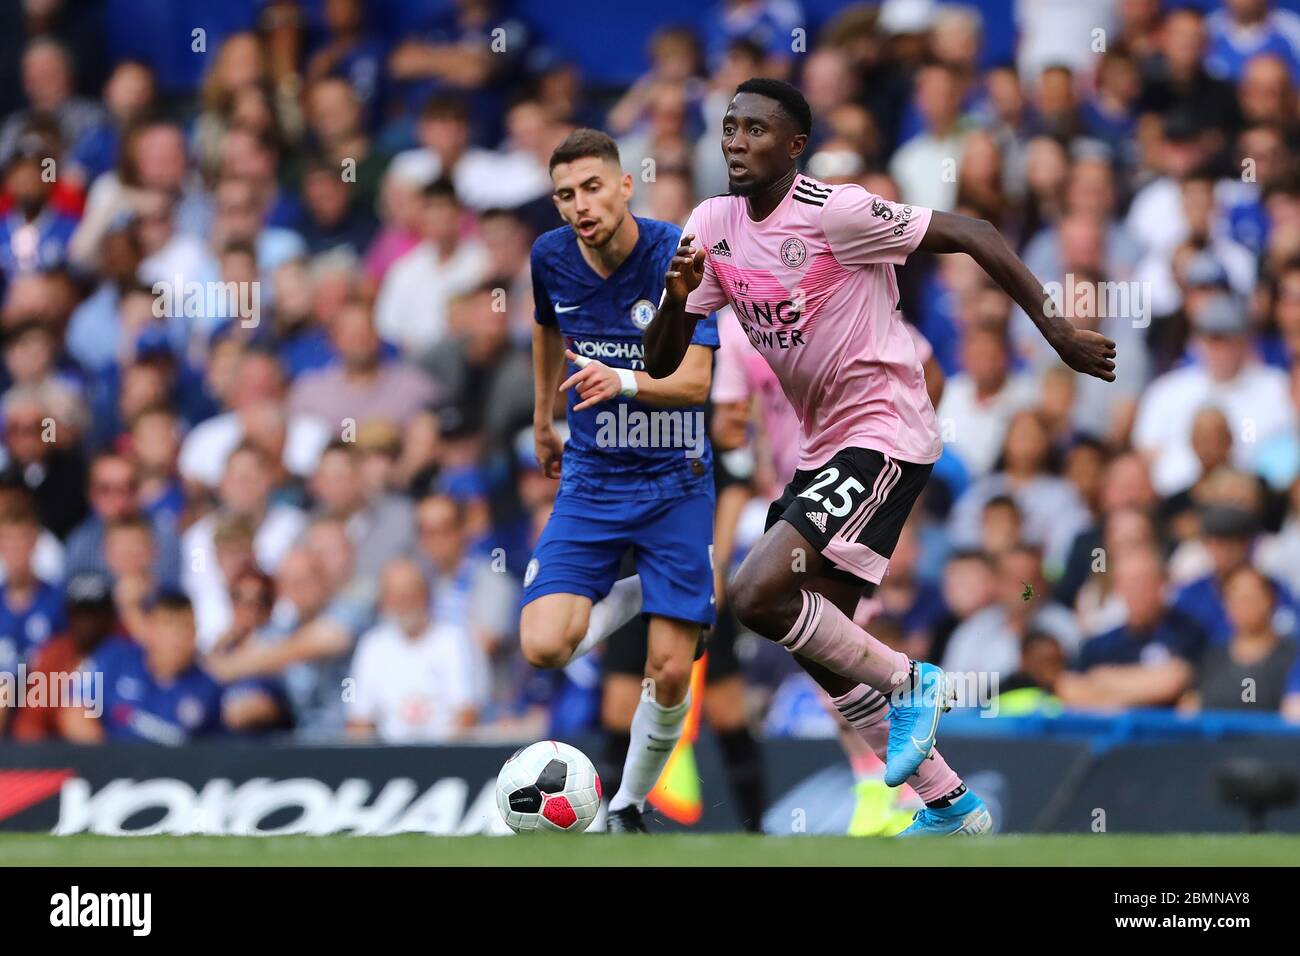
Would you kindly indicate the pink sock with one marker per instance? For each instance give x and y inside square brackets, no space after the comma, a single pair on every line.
[823,634]
[867,712]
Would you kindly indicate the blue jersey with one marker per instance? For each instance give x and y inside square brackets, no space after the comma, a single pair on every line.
[1228,48]
[136,706]
[1174,635]
[27,247]
[1202,601]
[620,447]
[23,630]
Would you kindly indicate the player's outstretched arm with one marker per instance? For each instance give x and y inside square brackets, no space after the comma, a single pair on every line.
[668,336]
[688,384]
[1081,349]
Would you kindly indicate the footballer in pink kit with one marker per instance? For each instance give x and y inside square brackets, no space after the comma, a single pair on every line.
[808,269]
[745,387]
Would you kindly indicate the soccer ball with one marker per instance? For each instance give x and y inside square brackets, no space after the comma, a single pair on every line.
[548,786]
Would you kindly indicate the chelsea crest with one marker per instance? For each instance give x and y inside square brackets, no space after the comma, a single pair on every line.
[643,314]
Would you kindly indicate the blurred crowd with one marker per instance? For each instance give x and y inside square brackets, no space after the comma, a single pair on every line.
[267,462]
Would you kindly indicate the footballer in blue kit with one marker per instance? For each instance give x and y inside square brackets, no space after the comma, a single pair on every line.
[636,473]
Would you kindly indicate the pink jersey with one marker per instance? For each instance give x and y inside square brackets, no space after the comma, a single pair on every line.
[814,289]
[741,374]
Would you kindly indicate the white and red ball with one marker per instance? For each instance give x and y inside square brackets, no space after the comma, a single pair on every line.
[548,786]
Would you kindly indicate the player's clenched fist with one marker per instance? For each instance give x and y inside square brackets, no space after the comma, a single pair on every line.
[685,271]
[549,447]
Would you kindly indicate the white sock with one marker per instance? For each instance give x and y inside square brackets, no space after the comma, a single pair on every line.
[620,605]
[655,732]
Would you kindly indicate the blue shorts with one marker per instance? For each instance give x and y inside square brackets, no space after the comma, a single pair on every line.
[671,540]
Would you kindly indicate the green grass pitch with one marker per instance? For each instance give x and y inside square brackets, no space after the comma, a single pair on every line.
[656,850]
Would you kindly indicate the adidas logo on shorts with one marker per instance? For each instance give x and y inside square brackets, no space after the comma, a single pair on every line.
[818,518]
[720,248]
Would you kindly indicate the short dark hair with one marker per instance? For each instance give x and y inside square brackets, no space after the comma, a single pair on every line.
[1285,184]
[130,522]
[18,517]
[1037,636]
[248,448]
[582,143]
[459,510]
[441,188]
[445,106]
[342,446]
[970,554]
[746,48]
[500,212]
[172,601]
[1002,501]
[791,100]
[240,247]
[24,327]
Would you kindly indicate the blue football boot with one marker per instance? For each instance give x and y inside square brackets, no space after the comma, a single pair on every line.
[966,815]
[916,706]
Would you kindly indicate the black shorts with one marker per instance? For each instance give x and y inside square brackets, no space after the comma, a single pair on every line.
[852,509]
[625,651]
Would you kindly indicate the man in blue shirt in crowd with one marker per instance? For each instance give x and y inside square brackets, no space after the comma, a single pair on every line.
[31,610]
[153,690]
[1149,661]
[1229,534]
[33,236]
[1245,29]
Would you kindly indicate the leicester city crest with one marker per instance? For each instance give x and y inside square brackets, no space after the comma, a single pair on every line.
[793,252]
